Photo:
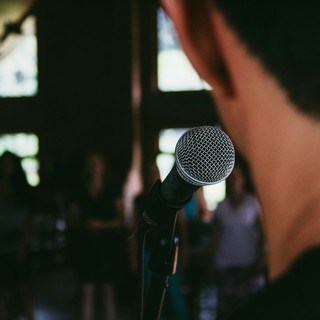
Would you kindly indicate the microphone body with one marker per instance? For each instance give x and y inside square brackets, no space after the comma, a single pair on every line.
[175,190]
[204,155]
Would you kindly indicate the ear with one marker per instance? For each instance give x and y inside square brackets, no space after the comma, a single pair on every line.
[194,23]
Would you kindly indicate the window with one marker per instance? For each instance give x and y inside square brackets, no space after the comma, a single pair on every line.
[165,160]
[25,146]
[175,72]
[18,62]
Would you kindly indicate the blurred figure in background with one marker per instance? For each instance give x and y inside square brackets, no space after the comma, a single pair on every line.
[197,216]
[15,235]
[198,231]
[236,250]
[96,224]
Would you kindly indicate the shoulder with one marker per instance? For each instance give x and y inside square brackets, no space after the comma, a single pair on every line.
[114,190]
[252,202]
[222,211]
[222,206]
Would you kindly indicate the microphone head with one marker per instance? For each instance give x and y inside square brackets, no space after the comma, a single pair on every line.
[204,155]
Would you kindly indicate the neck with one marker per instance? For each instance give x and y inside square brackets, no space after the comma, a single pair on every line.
[237,198]
[286,172]
[282,148]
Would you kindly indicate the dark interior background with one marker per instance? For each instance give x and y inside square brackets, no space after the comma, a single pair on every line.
[97,71]
[97,88]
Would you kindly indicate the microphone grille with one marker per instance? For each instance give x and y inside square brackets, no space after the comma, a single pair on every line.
[204,155]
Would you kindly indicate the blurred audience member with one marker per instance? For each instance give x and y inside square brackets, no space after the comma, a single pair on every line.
[237,246]
[198,217]
[96,226]
[15,235]
[198,231]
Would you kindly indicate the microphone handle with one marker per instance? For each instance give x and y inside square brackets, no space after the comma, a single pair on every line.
[175,190]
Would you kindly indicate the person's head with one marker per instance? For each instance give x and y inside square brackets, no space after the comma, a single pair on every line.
[11,172]
[249,49]
[235,184]
[283,35]
[94,165]
[10,166]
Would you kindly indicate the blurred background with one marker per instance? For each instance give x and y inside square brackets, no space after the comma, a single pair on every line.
[80,77]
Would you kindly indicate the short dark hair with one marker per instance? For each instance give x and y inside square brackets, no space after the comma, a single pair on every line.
[285,36]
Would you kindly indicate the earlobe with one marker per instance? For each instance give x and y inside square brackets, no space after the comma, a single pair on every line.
[194,23]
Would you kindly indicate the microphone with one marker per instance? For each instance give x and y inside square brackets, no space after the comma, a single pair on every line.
[203,156]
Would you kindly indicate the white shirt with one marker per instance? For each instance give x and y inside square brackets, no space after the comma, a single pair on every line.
[239,237]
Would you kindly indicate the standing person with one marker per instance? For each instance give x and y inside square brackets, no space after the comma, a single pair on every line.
[262,59]
[237,245]
[96,240]
[197,215]
[198,229]
[15,235]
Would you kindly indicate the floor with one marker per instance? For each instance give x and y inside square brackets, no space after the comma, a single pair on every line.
[56,299]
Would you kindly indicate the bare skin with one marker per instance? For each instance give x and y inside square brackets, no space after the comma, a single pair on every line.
[280,144]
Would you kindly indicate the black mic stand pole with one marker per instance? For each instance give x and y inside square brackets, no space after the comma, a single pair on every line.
[163,261]
[160,217]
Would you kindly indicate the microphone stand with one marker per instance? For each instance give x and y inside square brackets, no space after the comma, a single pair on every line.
[163,261]
[159,217]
